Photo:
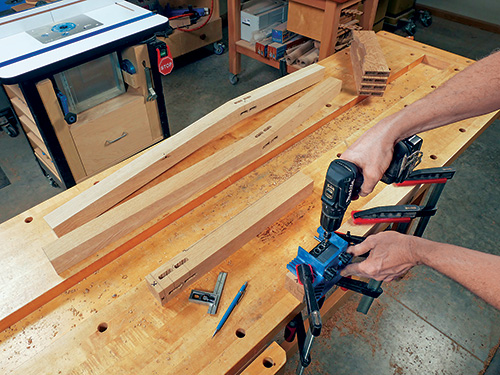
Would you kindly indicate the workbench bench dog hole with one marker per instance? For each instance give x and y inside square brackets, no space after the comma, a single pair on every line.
[268,362]
[433,157]
[102,327]
[28,220]
[240,333]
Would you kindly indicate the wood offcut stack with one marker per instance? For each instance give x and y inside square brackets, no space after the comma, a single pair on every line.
[368,64]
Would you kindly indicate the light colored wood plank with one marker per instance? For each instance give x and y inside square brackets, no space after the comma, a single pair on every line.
[205,254]
[61,128]
[96,234]
[114,188]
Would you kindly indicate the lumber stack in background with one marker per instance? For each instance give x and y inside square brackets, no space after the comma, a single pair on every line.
[368,64]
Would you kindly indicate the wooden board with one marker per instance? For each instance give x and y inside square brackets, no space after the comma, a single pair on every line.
[112,225]
[270,361]
[53,323]
[182,270]
[369,66]
[371,55]
[111,190]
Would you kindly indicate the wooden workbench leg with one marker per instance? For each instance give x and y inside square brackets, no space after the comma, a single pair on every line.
[368,17]
[234,34]
[330,29]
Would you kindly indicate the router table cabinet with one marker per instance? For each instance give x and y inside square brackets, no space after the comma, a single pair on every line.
[83,79]
[102,135]
[99,316]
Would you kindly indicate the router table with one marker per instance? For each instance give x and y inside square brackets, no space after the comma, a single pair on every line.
[75,52]
[99,317]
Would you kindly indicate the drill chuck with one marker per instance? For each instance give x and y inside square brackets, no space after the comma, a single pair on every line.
[331,219]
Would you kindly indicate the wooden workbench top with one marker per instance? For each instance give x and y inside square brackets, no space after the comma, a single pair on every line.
[99,317]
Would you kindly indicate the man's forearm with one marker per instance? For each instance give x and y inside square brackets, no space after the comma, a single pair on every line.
[477,271]
[470,93]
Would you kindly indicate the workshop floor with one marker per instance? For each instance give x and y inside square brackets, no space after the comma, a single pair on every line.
[424,324]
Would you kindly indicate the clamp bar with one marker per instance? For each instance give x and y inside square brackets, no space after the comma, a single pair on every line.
[305,276]
[438,175]
[361,287]
[392,214]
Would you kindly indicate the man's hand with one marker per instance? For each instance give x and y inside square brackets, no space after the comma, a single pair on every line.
[372,153]
[391,255]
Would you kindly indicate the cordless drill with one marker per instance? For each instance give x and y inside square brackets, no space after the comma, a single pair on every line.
[344,179]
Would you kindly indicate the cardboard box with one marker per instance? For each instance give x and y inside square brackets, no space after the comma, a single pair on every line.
[261,46]
[258,14]
[276,51]
[280,34]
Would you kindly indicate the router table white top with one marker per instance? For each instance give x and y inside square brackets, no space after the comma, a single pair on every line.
[22,53]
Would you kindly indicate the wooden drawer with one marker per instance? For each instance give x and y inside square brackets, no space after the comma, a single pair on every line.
[111,133]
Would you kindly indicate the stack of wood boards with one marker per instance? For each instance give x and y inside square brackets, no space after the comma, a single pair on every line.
[368,64]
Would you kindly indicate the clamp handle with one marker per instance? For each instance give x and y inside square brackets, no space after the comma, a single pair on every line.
[305,276]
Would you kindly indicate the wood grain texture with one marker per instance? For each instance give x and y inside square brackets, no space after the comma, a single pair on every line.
[114,188]
[52,323]
[270,361]
[121,220]
[368,64]
[192,263]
